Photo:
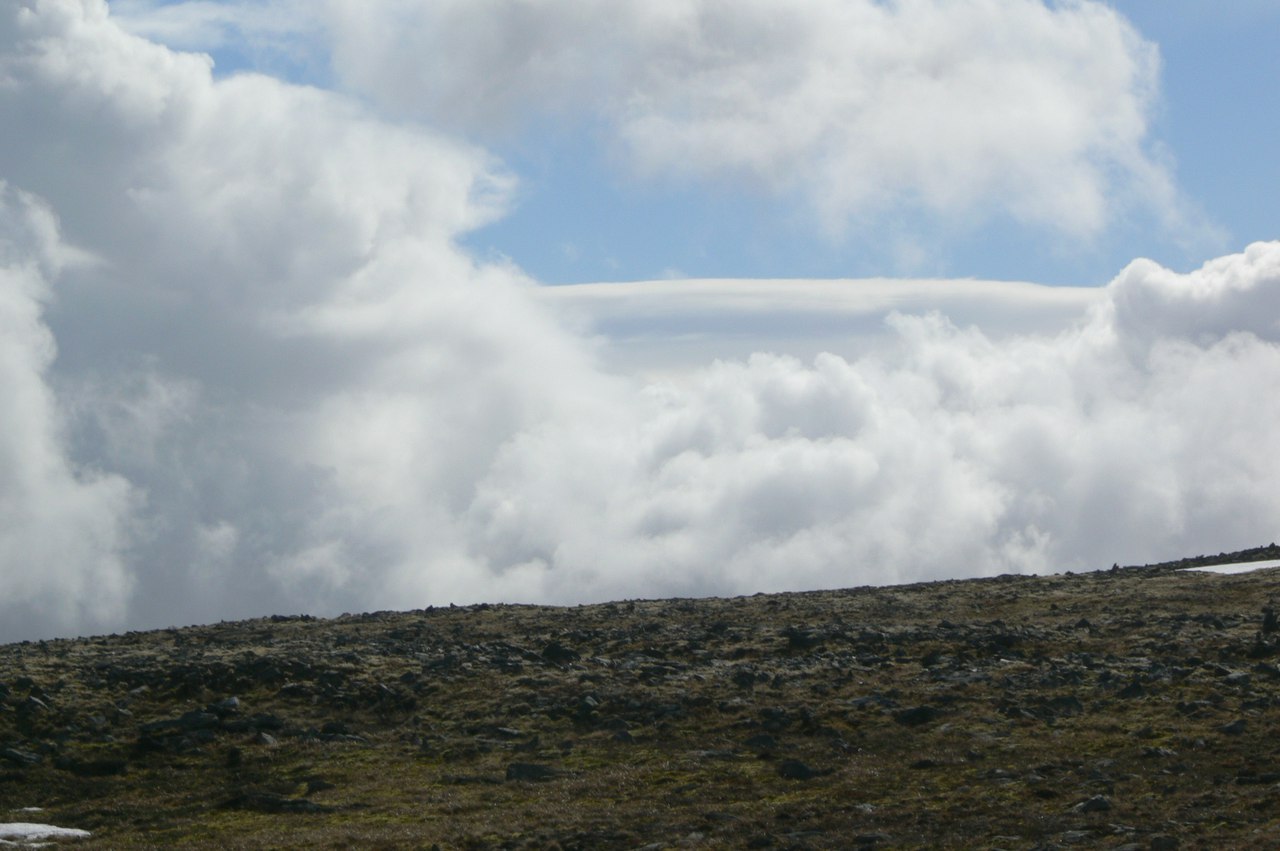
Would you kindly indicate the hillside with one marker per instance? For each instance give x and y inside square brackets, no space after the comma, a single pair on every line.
[1133,708]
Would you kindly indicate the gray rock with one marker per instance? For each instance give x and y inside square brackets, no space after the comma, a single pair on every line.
[762,742]
[916,715]
[1096,804]
[266,802]
[19,757]
[533,772]
[557,654]
[794,769]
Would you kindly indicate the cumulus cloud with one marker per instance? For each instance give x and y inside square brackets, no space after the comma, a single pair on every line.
[247,368]
[1122,437]
[61,525]
[1031,110]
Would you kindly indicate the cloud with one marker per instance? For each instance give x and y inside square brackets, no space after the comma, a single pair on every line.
[668,327]
[247,369]
[1017,108]
[948,453]
[62,526]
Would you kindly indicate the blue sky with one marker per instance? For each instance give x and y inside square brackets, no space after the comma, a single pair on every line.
[288,340]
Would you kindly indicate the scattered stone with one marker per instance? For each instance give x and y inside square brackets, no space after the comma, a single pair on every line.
[267,802]
[557,654]
[19,757]
[802,638]
[794,769]
[916,715]
[93,767]
[1133,690]
[531,772]
[1255,778]
[696,682]
[1096,804]
[319,784]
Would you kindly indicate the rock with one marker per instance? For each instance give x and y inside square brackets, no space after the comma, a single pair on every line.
[1235,728]
[267,802]
[93,767]
[319,784]
[530,772]
[794,769]
[557,654]
[1133,690]
[1096,804]
[1254,778]
[916,715]
[802,638]
[744,676]
[1065,705]
[19,757]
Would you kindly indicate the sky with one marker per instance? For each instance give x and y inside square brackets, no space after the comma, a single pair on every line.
[338,306]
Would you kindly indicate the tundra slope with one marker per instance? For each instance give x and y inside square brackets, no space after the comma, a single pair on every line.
[1132,708]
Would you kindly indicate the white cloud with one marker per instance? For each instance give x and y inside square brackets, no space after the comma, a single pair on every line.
[61,526]
[279,382]
[967,108]
[665,328]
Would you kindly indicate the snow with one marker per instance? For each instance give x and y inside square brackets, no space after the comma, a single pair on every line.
[26,832]
[1241,567]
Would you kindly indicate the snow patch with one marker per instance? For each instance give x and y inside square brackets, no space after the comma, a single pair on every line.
[25,832]
[1240,567]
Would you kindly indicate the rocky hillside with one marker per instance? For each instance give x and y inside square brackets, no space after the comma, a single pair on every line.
[1134,708]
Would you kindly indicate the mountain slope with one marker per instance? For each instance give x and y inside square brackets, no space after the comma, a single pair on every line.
[1136,707]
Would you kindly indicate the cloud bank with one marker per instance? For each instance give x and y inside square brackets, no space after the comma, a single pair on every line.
[246,368]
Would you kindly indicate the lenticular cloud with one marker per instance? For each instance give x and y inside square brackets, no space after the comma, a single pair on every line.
[246,368]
